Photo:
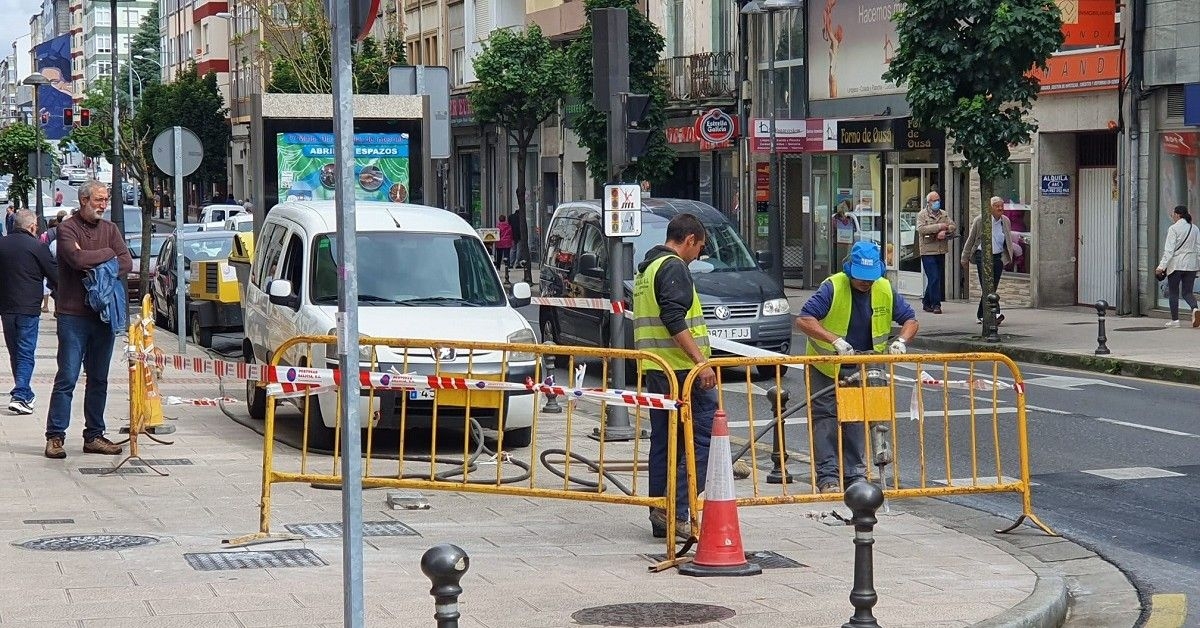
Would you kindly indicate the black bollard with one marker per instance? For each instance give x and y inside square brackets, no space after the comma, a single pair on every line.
[445,565]
[991,323]
[1101,336]
[863,499]
[778,474]
[548,365]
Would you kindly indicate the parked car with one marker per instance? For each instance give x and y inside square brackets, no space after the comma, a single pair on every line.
[741,302]
[424,274]
[136,250]
[241,223]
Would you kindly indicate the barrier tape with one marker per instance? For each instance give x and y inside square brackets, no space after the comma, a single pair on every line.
[616,307]
[929,381]
[210,401]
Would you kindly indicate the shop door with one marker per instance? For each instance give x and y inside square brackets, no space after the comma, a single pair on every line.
[907,186]
[1096,273]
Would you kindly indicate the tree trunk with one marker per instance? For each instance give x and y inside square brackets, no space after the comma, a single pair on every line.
[523,140]
[986,189]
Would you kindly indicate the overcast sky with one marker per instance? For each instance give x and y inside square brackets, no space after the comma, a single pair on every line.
[16,22]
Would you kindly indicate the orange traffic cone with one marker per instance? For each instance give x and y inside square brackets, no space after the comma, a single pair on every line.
[720,551]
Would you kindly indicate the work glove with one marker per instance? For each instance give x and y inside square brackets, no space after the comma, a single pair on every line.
[843,347]
[898,347]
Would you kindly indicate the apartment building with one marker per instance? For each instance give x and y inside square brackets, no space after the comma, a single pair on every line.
[196,32]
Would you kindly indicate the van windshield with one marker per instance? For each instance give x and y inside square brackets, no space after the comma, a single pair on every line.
[411,269]
[723,249]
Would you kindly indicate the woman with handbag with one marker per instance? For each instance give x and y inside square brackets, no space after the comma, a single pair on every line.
[1179,263]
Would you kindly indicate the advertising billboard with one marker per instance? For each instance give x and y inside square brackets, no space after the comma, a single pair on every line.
[53,59]
[850,48]
[306,169]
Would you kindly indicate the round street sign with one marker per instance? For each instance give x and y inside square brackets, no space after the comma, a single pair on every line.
[164,151]
[716,127]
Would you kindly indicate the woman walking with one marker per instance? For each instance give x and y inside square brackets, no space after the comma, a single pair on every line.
[1179,263]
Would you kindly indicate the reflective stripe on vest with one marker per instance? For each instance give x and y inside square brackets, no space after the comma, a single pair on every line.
[838,320]
[649,334]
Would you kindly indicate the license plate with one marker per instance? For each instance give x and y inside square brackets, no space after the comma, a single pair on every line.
[421,395]
[730,333]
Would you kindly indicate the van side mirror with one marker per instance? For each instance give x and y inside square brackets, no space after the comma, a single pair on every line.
[521,295]
[764,259]
[589,266]
[280,293]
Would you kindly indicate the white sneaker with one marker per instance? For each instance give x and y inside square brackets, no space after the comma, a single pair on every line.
[17,406]
[1172,324]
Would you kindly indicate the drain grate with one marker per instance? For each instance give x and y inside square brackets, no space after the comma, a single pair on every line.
[334,530]
[110,471]
[46,522]
[161,462]
[763,558]
[652,614]
[88,542]
[1139,328]
[219,561]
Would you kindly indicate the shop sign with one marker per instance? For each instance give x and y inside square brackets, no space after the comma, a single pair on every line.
[461,113]
[762,184]
[791,136]
[682,134]
[1081,72]
[1056,185]
[909,135]
[1186,144]
[717,128]
[865,134]
[1088,22]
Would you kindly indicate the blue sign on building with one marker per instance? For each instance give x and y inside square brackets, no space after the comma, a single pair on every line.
[1056,185]
[1191,104]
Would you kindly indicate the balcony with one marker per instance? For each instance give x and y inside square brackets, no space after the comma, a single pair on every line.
[702,76]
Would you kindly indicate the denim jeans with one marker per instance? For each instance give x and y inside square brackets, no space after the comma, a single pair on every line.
[935,270]
[20,336]
[87,342]
[704,406]
[997,270]
[1178,282]
[825,435]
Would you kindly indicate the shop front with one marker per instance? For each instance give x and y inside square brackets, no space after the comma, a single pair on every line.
[466,195]
[705,161]
[1178,184]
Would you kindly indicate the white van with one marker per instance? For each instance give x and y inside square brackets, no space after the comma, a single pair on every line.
[422,273]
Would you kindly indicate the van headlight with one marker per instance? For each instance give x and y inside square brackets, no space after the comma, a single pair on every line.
[776,307]
[524,336]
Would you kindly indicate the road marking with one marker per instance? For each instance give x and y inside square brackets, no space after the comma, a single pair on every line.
[1063,382]
[1133,473]
[1167,610]
[929,414]
[1048,410]
[740,388]
[1161,430]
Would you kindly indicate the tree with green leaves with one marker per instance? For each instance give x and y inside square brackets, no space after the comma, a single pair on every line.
[16,142]
[522,79]
[967,67]
[95,140]
[645,47]
[146,68]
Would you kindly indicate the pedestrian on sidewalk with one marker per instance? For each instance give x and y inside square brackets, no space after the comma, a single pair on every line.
[26,263]
[85,241]
[50,239]
[936,230]
[852,311]
[1001,248]
[670,325]
[516,221]
[504,244]
[1179,263]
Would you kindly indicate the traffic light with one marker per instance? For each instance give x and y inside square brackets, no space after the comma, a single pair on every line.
[85,117]
[68,117]
[635,108]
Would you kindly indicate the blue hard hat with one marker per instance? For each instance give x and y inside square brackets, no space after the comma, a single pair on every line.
[865,262]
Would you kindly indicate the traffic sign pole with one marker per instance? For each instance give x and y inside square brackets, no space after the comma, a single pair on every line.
[180,278]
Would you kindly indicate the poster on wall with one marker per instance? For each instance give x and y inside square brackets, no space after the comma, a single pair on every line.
[307,171]
[850,48]
[53,59]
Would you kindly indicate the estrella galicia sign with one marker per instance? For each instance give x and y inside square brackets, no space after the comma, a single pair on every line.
[716,127]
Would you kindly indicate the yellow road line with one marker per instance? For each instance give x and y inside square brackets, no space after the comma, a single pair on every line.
[1167,610]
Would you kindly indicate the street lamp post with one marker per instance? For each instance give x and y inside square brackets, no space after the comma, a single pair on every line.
[774,211]
[36,80]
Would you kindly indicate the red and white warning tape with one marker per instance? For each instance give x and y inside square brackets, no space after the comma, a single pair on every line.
[211,401]
[929,381]
[616,307]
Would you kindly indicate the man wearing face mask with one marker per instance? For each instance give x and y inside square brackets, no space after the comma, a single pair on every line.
[935,229]
[851,311]
[85,241]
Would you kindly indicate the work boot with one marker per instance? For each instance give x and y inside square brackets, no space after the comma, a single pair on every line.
[54,448]
[101,445]
[658,526]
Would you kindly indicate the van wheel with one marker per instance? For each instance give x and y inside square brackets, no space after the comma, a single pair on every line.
[160,319]
[256,396]
[201,335]
[549,329]
[518,437]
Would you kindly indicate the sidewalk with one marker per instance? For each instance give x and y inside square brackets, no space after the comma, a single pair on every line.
[1066,337]
[533,562]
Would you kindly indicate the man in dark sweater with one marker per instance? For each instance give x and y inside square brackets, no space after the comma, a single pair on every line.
[85,241]
[26,262]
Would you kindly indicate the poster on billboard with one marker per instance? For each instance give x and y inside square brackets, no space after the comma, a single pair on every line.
[307,172]
[850,48]
[53,59]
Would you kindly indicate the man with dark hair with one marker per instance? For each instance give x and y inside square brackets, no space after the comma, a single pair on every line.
[668,322]
[26,263]
[85,241]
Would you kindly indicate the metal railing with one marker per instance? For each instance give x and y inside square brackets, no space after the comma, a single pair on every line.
[700,76]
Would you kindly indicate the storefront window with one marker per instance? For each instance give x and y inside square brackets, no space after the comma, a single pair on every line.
[1017,192]
[1178,183]
[848,191]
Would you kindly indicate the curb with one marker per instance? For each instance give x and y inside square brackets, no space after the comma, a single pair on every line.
[1045,607]
[1083,362]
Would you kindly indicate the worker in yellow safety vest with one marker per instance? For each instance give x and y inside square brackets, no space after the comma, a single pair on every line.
[852,311]
[668,322]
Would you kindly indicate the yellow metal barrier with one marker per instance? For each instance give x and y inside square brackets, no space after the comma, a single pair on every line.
[866,394]
[145,403]
[474,386]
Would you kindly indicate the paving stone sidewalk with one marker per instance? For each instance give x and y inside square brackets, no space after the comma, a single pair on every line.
[533,562]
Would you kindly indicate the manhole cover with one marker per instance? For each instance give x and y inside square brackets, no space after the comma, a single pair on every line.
[109,470]
[652,614]
[765,559]
[218,561]
[1138,328]
[161,462]
[44,522]
[88,542]
[334,530]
